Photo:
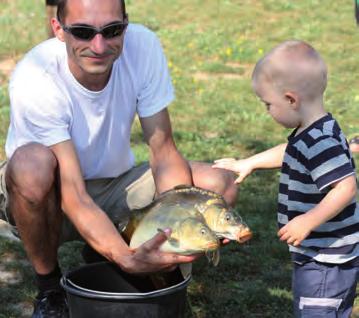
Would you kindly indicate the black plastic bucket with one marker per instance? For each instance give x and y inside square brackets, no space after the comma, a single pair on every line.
[103,290]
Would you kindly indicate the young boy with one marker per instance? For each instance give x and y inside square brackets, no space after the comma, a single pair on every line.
[318,215]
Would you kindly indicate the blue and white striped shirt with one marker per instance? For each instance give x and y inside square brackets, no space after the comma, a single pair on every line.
[314,160]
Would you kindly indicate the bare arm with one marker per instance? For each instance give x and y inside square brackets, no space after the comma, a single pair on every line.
[342,193]
[97,229]
[268,159]
[168,166]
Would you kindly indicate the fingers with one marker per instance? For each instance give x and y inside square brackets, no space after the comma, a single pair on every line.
[156,242]
[223,160]
[240,178]
[283,234]
[288,238]
[225,163]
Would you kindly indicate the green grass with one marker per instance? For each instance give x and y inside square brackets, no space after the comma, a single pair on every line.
[211,48]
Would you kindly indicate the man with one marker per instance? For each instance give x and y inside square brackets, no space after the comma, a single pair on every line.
[70,169]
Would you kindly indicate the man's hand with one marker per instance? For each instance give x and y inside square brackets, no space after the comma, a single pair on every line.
[295,231]
[148,257]
[242,168]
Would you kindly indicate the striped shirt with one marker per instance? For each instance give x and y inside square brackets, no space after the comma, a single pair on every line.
[314,160]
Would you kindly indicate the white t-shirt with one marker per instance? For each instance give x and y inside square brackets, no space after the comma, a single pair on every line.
[49,106]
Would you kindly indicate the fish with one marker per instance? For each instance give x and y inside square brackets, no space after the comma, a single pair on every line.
[190,234]
[220,218]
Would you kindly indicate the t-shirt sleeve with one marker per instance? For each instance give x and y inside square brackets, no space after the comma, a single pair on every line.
[38,114]
[156,91]
[328,162]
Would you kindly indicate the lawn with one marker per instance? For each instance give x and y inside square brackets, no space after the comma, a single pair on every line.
[211,48]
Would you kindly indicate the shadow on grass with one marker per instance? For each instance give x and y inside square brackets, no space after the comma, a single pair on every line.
[246,283]
[17,279]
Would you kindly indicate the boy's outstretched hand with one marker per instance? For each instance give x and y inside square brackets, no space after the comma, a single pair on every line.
[242,168]
[295,231]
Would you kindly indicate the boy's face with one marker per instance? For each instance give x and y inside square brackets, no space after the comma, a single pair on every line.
[277,103]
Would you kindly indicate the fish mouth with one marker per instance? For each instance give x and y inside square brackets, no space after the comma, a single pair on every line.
[244,236]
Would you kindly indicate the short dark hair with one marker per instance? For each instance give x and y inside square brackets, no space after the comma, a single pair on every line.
[61,9]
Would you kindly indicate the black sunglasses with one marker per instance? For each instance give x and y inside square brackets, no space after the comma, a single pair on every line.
[87,32]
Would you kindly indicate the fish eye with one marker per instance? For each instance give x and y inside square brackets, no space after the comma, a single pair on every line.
[228,217]
[203,231]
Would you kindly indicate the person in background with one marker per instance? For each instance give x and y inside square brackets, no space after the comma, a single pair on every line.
[318,215]
[354,142]
[51,6]
[70,171]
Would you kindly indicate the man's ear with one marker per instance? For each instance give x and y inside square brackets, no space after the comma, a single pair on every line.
[58,31]
[293,99]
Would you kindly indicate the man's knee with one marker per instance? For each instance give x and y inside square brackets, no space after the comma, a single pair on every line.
[31,171]
[226,186]
[218,180]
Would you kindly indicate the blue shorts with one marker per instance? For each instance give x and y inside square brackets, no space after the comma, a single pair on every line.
[324,290]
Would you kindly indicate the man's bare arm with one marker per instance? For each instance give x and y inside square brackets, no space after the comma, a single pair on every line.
[168,166]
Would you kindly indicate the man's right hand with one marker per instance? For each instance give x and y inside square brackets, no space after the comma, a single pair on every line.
[148,258]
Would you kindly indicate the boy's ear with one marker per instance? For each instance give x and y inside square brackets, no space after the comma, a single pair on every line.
[292,98]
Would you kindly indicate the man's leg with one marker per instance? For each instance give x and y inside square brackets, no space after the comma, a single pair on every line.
[34,206]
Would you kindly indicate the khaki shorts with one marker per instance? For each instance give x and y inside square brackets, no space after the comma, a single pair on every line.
[115,196]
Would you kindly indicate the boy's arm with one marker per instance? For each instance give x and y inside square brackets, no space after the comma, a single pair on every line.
[341,194]
[268,159]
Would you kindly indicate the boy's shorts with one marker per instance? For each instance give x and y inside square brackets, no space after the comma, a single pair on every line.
[115,196]
[324,290]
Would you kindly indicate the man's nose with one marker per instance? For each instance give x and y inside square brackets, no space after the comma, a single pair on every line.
[98,44]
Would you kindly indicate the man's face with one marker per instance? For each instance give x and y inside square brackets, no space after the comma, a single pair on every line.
[92,58]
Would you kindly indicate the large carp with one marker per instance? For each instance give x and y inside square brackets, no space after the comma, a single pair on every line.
[218,215]
[193,214]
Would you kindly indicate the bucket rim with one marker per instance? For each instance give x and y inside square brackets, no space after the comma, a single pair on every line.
[75,289]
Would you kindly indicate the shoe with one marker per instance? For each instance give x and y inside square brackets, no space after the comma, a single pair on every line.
[51,304]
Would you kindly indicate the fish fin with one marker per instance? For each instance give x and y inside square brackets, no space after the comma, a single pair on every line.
[173,241]
[121,226]
[186,269]
[216,257]
[200,207]
[213,257]
[182,186]
[209,256]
